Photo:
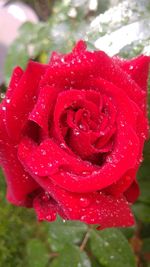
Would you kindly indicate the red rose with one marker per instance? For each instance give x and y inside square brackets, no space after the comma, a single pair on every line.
[72,135]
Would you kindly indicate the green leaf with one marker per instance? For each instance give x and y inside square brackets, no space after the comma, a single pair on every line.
[68,232]
[146,245]
[71,256]
[145,231]
[17,55]
[95,263]
[107,28]
[111,248]
[144,171]
[145,194]
[37,255]
[128,231]
[142,212]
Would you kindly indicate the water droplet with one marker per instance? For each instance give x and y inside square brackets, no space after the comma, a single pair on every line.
[76,132]
[102,133]
[106,244]
[85,173]
[50,164]
[109,159]
[82,127]
[3,108]
[7,100]
[131,67]
[43,152]
[130,142]
[83,218]
[84,202]
[122,124]
[143,135]
[141,160]
[48,217]
[25,177]
[2,95]
[63,145]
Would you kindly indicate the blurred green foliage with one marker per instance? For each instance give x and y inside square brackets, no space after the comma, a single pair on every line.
[24,241]
[69,21]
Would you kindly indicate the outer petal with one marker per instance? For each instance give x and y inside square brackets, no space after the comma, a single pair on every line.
[113,169]
[48,158]
[137,68]
[92,208]
[15,78]
[75,175]
[127,143]
[132,192]
[22,99]
[42,112]
[19,183]
[45,207]
[78,68]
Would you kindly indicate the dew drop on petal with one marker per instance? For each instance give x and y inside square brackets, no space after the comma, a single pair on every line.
[50,164]
[7,100]
[48,217]
[76,132]
[130,142]
[43,152]
[84,202]
[131,67]
[83,218]
[63,145]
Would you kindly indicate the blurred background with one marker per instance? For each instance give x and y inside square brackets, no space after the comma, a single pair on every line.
[31,30]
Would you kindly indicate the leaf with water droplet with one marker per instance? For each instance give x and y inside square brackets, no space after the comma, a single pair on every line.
[71,256]
[67,232]
[111,248]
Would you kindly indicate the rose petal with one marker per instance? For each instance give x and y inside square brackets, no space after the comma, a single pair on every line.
[132,193]
[15,78]
[92,208]
[23,99]
[137,68]
[45,207]
[126,143]
[44,107]
[122,185]
[49,158]
[19,182]
[113,169]
[74,99]
[77,69]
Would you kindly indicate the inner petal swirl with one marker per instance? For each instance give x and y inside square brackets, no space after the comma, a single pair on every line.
[85,122]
